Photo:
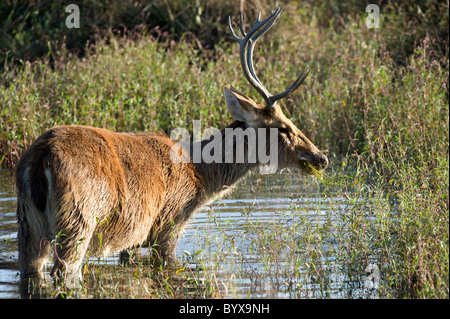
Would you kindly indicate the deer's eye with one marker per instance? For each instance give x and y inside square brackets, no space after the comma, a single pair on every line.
[284,130]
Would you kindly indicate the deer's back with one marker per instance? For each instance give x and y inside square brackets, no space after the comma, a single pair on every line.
[124,183]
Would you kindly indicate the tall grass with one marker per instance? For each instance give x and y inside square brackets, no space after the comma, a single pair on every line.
[376,101]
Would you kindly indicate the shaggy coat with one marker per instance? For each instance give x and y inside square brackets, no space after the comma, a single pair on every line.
[84,189]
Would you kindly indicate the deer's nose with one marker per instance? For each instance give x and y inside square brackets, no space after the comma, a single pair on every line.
[323,161]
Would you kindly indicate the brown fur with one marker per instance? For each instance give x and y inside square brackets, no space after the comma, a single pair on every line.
[86,189]
[107,192]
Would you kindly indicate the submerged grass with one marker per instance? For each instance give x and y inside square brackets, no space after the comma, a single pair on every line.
[376,101]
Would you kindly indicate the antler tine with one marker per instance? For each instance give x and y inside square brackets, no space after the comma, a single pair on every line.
[258,24]
[249,40]
[247,43]
[232,31]
[267,24]
[294,86]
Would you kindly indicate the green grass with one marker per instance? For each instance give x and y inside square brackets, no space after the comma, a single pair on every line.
[376,101]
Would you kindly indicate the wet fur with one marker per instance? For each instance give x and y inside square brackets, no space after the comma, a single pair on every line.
[86,189]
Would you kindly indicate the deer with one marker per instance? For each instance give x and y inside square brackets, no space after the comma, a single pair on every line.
[83,189]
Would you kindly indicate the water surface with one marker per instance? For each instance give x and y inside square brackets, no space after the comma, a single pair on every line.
[259,240]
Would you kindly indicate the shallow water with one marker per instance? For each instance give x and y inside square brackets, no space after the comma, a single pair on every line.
[252,239]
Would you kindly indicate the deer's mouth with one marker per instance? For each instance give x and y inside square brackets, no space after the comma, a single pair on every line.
[310,168]
[313,165]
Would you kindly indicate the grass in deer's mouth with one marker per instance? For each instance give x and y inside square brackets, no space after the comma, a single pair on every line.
[314,171]
[311,169]
[320,175]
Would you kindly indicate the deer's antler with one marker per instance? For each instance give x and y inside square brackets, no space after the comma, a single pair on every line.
[247,44]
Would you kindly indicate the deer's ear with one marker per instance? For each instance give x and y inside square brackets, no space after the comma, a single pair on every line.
[241,107]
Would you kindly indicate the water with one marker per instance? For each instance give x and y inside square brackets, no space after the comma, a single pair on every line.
[8,241]
[260,241]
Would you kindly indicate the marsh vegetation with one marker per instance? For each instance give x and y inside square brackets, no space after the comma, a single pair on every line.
[376,101]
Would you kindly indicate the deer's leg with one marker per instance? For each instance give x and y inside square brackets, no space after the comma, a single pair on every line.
[70,247]
[32,239]
[164,247]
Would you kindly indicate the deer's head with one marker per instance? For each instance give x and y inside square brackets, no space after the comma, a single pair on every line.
[294,148]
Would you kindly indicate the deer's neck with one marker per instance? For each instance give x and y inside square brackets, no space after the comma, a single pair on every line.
[221,173]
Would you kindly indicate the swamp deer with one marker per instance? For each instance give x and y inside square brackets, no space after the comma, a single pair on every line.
[84,189]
